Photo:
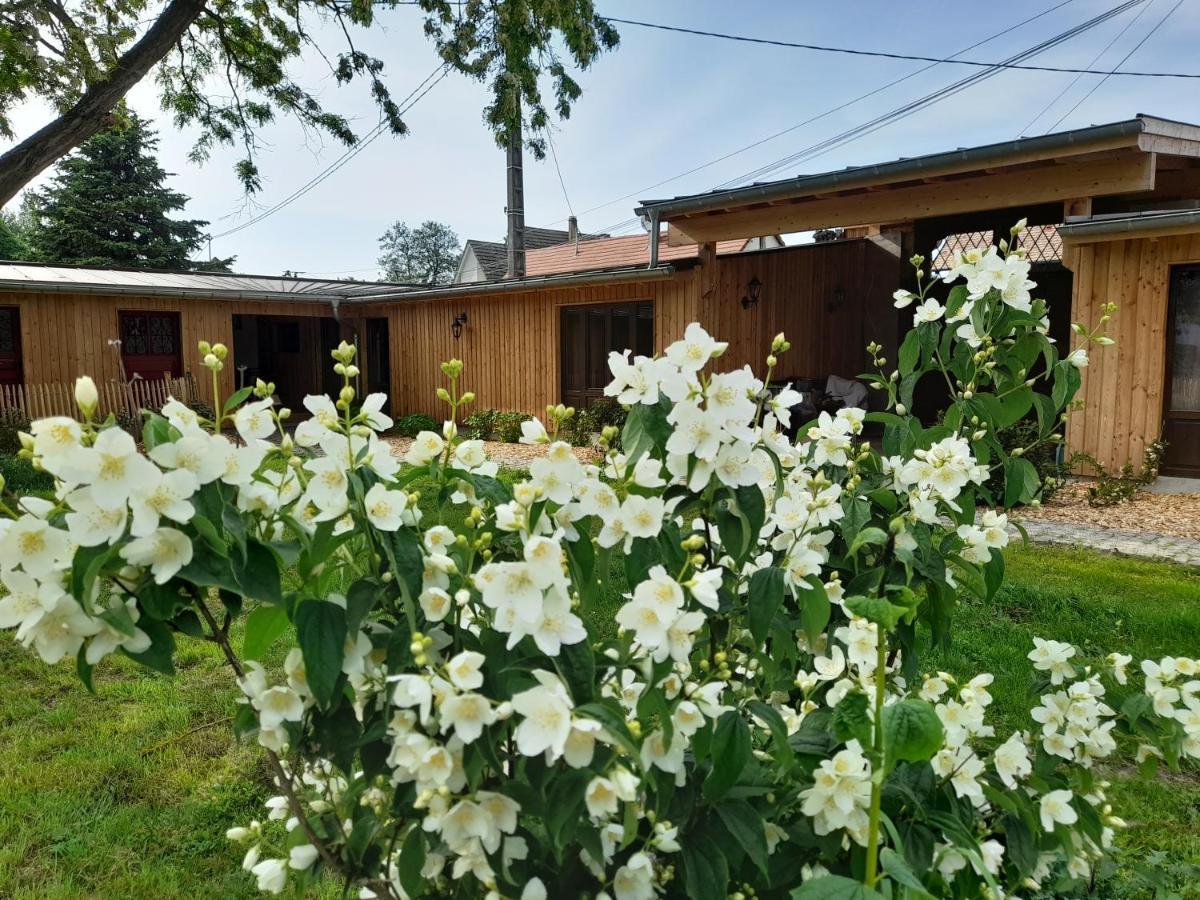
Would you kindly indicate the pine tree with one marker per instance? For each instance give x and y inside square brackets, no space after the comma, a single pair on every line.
[108,205]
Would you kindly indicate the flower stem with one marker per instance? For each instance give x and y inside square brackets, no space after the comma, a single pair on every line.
[872,868]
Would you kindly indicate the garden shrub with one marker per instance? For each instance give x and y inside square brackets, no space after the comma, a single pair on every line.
[1024,437]
[591,420]
[1111,488]
[450,720]
[20,477]
[507,426]
[413,424]
[481,424]
[13,421]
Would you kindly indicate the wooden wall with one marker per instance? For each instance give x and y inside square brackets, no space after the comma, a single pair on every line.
[830,299]
[511,342]
[1122,389]
[510,345]
[65,335]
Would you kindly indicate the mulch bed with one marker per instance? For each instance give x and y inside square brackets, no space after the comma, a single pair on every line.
[516,456]
[1174,514]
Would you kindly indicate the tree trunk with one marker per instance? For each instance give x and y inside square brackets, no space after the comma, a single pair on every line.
[22,163]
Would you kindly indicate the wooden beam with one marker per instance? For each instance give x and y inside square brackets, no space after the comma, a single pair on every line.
[1077,207]
[708,270]
[1134,172]
[676,238]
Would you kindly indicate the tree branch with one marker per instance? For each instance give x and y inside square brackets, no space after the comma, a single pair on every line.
[23,162]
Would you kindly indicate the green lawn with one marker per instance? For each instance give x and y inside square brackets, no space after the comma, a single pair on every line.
[128,794]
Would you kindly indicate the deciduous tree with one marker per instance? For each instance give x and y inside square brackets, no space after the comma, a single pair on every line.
[223,66]
[427,254]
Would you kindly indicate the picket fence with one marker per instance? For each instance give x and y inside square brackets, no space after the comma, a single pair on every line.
[37,401]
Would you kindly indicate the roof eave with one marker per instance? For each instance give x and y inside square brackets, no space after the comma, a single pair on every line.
[849,178]
[627,273]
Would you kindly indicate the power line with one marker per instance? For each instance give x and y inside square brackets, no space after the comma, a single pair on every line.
[854,51]
[828,112]
[1170,12]
[408,103]
[1095,59]
[562,184]
[908,109]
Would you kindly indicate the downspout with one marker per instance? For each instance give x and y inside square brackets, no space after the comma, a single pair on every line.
[653,239]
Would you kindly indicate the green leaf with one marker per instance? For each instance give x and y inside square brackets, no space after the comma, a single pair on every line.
[86,566]
[613,722]
[159,655]
[912,731]
[264,625]
[835,887]
[877,610]
[237,398]
[210,570]
[993,573]
[852,719]
[1021,481]
[910,352]
[815,607]
[577,665]
[321,633]
[868,536]
[730,754]
[752,506]
[360,600]
[898,869]
[84,669]
[646,429]
[565,807]
[412,860]
[745,825]
[779,733]
[764,597]
[705,869]
[404,556]
[155,431]
[258,577]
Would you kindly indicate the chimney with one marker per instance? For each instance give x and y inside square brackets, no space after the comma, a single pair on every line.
[515,267]
[572,230]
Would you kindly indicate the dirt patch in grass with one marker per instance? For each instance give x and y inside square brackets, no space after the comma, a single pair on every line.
[1175,514]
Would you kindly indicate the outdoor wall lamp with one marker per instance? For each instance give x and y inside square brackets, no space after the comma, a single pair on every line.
[459,321]
[751,298]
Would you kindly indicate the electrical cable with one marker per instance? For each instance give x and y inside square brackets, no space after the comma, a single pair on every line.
[1124,59]
[408,103]
[884,54]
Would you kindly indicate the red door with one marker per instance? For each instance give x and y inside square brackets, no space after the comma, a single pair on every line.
[10,345]
[150,344]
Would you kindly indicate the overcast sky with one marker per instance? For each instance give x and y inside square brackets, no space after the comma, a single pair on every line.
[662,104]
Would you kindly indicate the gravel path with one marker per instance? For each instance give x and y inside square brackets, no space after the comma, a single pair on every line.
[1118,541]
[509,455]
[1177,515]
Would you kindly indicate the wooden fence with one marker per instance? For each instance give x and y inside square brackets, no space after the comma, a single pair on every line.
[58,399]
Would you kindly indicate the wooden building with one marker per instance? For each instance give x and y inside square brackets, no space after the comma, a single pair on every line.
[1116,210]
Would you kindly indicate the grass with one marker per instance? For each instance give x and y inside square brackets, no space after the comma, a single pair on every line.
[128,793]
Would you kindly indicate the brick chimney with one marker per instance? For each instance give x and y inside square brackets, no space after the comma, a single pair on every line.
[572,230]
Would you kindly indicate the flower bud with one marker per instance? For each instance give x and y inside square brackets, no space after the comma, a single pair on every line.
[220,351]
[346,395]
[901,409]
[86,396]
[468,397]
[352,371]
[443,395]
[211,362]
[205,348]
[777,343]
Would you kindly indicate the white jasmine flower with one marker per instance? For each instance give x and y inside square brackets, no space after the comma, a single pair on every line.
[161,496]
[546,717]
[271,875]
[426,447]
[31,543]
[165,551]
[253,421]
[693,352]
[533,432]
[1055,809]
[385,508]
[468,714]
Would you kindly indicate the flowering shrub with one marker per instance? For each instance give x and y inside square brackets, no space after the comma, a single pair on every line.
[454,718]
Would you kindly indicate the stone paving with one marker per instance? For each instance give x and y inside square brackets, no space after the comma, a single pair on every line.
[1139,544]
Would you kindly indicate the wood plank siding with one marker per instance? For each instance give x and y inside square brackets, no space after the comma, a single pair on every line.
[66,335]
[830,299]
[1122,395]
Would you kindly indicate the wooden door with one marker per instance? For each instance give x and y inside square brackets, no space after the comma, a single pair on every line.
[379,369]
[1181,416]
[150,345]
[10,345]
[588,334]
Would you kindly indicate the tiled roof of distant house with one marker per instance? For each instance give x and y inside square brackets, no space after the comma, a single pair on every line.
[612,253]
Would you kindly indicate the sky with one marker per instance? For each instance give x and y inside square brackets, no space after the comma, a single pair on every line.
[660,105]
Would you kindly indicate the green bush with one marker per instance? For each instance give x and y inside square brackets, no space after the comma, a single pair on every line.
[1112,488]
[411,425]
[481,423]
[12,422]
[21,477]
[508,426]
[594,418]
[1043,456]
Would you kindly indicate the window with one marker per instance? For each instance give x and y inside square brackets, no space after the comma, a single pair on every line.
[150,344]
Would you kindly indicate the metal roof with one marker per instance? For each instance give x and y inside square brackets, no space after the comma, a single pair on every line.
[1131,223]
[528,283]
[24,276]
[853,176]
